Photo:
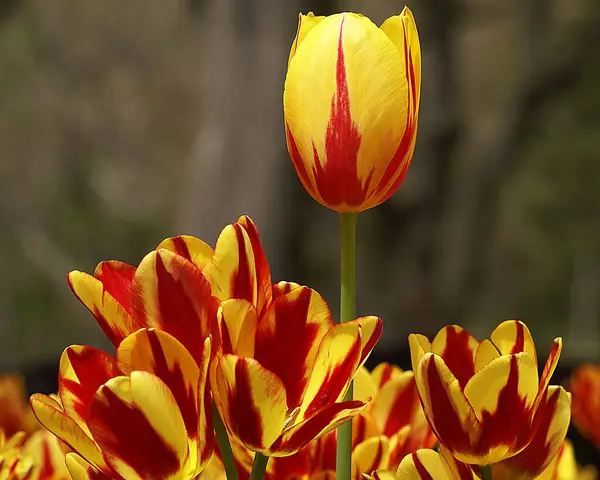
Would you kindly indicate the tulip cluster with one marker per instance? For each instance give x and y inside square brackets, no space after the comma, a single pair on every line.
[218,372]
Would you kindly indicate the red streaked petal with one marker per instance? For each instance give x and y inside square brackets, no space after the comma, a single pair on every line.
[238,322]
[82,371]
[50,414]
[336,362]
[370,329]
[116,277]
[79,469]
[585,388]
[550,425]
[159,353]
[288,338]
[250,399]
[384,372]
[321,422]
[111,315]
[190,248]
[549,368]
[282,288]
[171,294]
[263,273]
[513,336]
[371,455]
[137,424]
[458,349]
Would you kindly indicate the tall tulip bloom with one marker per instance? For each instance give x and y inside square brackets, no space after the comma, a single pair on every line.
[351,106]
[484,400]
[141,415]
[585,388]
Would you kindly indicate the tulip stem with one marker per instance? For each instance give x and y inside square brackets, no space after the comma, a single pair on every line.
[224,446]
[347,310]
[486,472]
[259,467]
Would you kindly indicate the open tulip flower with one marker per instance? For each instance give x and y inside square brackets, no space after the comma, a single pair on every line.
[484,400]
[585,388]
[279,384]
[351,104]
[140,416]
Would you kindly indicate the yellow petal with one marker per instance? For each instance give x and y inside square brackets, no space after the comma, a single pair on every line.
[385,372]
[513,336]
[419,346]
[424,465]
[190,248]
[305,25]
[250,399]
[370,455]
[364,385]
[486,352]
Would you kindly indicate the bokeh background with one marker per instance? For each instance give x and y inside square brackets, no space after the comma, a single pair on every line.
[125,122]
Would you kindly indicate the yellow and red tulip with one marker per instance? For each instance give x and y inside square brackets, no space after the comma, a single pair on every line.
[484,400]
[351,104]
[280,384]
[143,414]
[585,389]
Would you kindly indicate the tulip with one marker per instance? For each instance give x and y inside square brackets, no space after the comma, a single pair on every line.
[351,104]
[141,415]
[484,400]
[585,388]
[279,385]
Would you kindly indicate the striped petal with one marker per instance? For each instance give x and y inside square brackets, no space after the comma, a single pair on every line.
[138,426]
[79,469]
[282,288]
[82,371]
[424,465]
[238,268]
[336,361]
[384,372]
[190,248]
[549,368]
[238,322]
[111,313]
[323,421]
[448,411]
[159,353]
[50,414]
[419,345]
[458,348]
[501,395]
[550,425]
[171,294]
[370,331]
[371,455]
[250,399]
[46,453]
[513,336]
[288,338]
[344,129]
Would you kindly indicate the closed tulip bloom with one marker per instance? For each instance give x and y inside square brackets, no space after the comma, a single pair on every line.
[351,106]
[142,415]
[484,400]
[585,388]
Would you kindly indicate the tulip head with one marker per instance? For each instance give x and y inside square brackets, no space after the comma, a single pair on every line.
[351,107]
[484,400]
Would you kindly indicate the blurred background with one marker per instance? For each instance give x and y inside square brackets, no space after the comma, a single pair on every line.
[122,123]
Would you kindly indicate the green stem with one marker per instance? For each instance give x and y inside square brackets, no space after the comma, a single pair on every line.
[486,472]
[224,446]
[347,310]
[259,467]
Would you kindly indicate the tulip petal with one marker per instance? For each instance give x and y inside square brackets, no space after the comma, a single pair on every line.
[250,399]
[110,313]
[502,394]
[370,330]
[190,248]
[585,388]
[458,349]
[159,353]
[337,359]
[396,404]
[321,422]
[424,465]
[384,372]
[171,294]
[486,352]
[137,424]
[50,414]
[238,322]
[305,25]
[550,425]
[448,411]
[549,368]
[82,371]
[282,288]
[79,469]
[381,475]
[371,455]
[419,346]
[288,338]
[365,387]
[513,336]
